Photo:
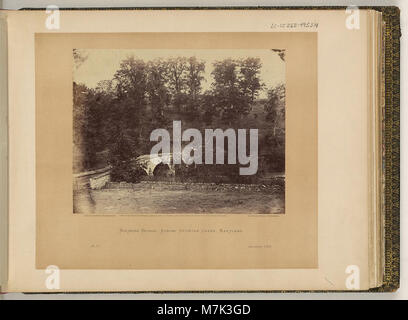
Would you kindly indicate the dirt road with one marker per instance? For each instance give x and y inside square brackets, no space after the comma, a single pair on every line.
[180,198]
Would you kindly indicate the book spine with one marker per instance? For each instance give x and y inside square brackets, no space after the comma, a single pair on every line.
[3,153]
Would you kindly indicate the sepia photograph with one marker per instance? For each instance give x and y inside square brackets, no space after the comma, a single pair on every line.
[178,131]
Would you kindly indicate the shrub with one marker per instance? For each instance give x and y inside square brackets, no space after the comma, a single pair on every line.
[123,171]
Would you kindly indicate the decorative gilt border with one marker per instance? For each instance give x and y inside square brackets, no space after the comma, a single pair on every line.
[391,160]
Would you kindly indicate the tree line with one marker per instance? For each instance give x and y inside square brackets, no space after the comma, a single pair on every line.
[115,118]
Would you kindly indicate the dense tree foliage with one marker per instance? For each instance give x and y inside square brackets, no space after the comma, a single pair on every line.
[113,121]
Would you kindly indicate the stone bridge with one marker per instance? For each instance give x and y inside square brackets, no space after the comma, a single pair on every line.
[97,179]
[150,162]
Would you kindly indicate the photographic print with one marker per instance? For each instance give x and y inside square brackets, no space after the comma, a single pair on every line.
[178,131]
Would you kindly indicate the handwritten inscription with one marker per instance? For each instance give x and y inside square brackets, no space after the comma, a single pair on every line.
[295,25]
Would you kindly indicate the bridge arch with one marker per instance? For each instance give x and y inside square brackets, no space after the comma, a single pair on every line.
[149,164]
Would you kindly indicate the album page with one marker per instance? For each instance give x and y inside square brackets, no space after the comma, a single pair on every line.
[188,150]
